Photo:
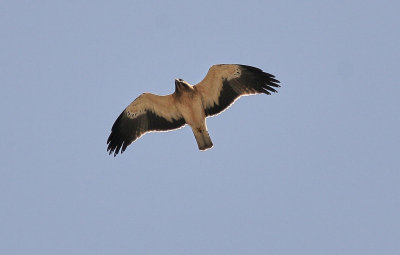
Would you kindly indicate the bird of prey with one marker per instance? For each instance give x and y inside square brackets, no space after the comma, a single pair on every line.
[189,104]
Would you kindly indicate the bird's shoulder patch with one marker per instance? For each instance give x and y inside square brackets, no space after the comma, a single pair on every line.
[139,106]
[237,72]
[134,114]
[225,71]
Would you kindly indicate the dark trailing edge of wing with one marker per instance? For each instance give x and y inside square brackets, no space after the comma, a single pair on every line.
[251,81]
[226,98]
[126,130]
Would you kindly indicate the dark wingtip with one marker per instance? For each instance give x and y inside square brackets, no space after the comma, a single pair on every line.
[266,82]
[251,68]
[115,140]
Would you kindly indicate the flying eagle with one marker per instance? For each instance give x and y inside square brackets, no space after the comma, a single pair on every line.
[189,104]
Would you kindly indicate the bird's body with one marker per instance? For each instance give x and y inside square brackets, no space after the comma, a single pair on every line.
[189,104]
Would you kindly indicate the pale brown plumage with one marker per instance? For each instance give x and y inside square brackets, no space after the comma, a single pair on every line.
[189,104]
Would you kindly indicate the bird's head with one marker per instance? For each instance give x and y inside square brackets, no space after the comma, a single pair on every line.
[181,85]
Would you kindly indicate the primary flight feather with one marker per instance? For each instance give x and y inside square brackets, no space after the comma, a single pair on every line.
[189,104]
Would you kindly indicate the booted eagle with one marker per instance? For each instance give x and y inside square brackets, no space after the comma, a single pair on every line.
[189,104]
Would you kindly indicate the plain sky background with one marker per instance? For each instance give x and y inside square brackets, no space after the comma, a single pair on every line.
[313,169]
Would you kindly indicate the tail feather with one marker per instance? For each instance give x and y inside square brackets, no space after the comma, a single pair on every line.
[203,139]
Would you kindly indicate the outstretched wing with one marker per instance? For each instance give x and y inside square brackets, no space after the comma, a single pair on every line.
[224,84]
[147,113]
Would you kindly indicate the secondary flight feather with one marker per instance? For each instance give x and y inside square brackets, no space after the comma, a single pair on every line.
[190,105]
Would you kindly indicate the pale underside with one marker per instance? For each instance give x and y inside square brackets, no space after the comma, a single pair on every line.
[220,88]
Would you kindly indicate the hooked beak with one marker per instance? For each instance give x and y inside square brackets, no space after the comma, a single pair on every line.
[178,84]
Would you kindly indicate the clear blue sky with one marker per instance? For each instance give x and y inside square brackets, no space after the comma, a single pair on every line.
[314,169]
